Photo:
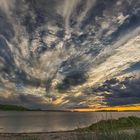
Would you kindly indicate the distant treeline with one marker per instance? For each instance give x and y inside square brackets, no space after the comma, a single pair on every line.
[15,108]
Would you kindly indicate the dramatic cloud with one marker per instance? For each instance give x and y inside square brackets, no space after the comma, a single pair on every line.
[60,53]
[118,92]
[123,93]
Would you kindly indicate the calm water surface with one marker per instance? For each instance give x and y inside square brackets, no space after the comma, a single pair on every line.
[53,121]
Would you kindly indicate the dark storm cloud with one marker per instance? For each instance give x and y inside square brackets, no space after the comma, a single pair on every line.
[72,79]
[74,71]
[129,24]
[74,63]
[116,101]
[39,13]
[127,92]
[105,87]
[119,92]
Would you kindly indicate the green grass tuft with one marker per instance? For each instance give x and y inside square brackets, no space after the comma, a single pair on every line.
[114,124]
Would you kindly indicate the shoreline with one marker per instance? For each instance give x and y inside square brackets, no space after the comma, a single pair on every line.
[59,135]
[53,132]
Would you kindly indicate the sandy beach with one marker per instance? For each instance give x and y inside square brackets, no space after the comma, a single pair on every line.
[68,135]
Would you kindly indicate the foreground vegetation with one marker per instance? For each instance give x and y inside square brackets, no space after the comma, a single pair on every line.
[109,136]
[114,124]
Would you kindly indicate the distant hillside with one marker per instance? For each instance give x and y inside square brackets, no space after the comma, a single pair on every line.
[13,108]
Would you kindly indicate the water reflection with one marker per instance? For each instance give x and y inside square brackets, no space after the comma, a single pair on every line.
[53,121]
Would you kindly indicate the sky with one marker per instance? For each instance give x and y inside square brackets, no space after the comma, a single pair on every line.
[70,54]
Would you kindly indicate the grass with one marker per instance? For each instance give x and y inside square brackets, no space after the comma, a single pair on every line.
[113,129]
[114,124]
[109,136]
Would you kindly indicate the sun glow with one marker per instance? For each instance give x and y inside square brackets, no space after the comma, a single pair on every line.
[116,108]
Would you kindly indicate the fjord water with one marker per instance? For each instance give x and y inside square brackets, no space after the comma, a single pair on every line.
[15,122]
